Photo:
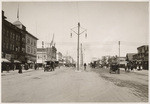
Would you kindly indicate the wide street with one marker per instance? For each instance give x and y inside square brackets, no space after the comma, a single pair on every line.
[67,85]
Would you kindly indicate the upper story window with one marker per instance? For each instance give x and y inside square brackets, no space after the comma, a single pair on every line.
[4,44]
[28,40]
[16,49]
[34,51]
[3,30]
[34,43]
[31,50]
[13,47]
[28,49]
[16,37]
[7,34]
[13,35]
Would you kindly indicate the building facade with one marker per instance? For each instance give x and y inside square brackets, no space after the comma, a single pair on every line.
[46,54]
[142,57]
[30,45]
[13,42]
[31,48]
[130,56]
[59,57]
[41,56]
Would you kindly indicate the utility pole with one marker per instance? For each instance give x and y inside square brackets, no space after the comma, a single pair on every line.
[119,58]
[81,56]
[42,53]
[78,41]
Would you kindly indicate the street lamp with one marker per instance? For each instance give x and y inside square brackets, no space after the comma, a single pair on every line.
[78,34]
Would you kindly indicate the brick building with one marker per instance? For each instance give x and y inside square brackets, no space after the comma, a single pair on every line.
[142,56]
[13,42]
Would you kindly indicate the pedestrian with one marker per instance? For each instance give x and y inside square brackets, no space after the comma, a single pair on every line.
[35,66]
[20,69]
[7,68]
[84,66]
[131,65]
[26,66]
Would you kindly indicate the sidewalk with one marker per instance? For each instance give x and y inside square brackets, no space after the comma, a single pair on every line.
[143,71]
[11,72]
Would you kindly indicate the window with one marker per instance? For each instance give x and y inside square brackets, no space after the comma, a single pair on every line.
[34,43]
[16,37]
[31,42]
[13,47]
[7,34]
[34,51]
[28,49]
[16,48]
[23,39]
[10,46]
[13,36]
[31,50]
[4,44]
[23,49]
[28,40]
[3,30]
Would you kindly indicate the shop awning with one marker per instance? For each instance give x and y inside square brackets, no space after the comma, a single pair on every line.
[16,61]
[30,61]
[5,60]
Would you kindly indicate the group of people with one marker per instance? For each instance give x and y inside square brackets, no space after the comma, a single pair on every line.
[13,66]
[132,65]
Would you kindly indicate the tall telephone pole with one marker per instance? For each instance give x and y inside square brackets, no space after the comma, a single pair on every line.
[119,57]
[81,62]
[78,41]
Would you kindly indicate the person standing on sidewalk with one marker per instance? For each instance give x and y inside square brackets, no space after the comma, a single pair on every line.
[84,66]
[20,69]
[7,68]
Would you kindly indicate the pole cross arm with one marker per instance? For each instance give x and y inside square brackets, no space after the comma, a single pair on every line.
[74,31]
[82,32]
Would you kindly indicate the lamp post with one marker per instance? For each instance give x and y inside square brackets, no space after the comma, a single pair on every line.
[78,41]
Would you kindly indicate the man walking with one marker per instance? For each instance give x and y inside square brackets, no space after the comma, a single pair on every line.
[84,66]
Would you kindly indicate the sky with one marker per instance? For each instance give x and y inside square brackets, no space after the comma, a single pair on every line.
[106,24]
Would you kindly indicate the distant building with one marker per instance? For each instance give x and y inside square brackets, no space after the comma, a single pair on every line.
[46,54]
[41,56]
[53,52]
[122,61]
[129,56]
[60,57]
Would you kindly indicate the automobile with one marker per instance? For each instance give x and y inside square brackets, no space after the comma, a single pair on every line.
[48,66]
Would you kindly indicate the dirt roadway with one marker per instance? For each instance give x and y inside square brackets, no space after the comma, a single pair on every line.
[65,85]
[136,81]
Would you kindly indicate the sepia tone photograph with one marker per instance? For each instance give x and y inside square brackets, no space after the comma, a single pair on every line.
[74,51]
